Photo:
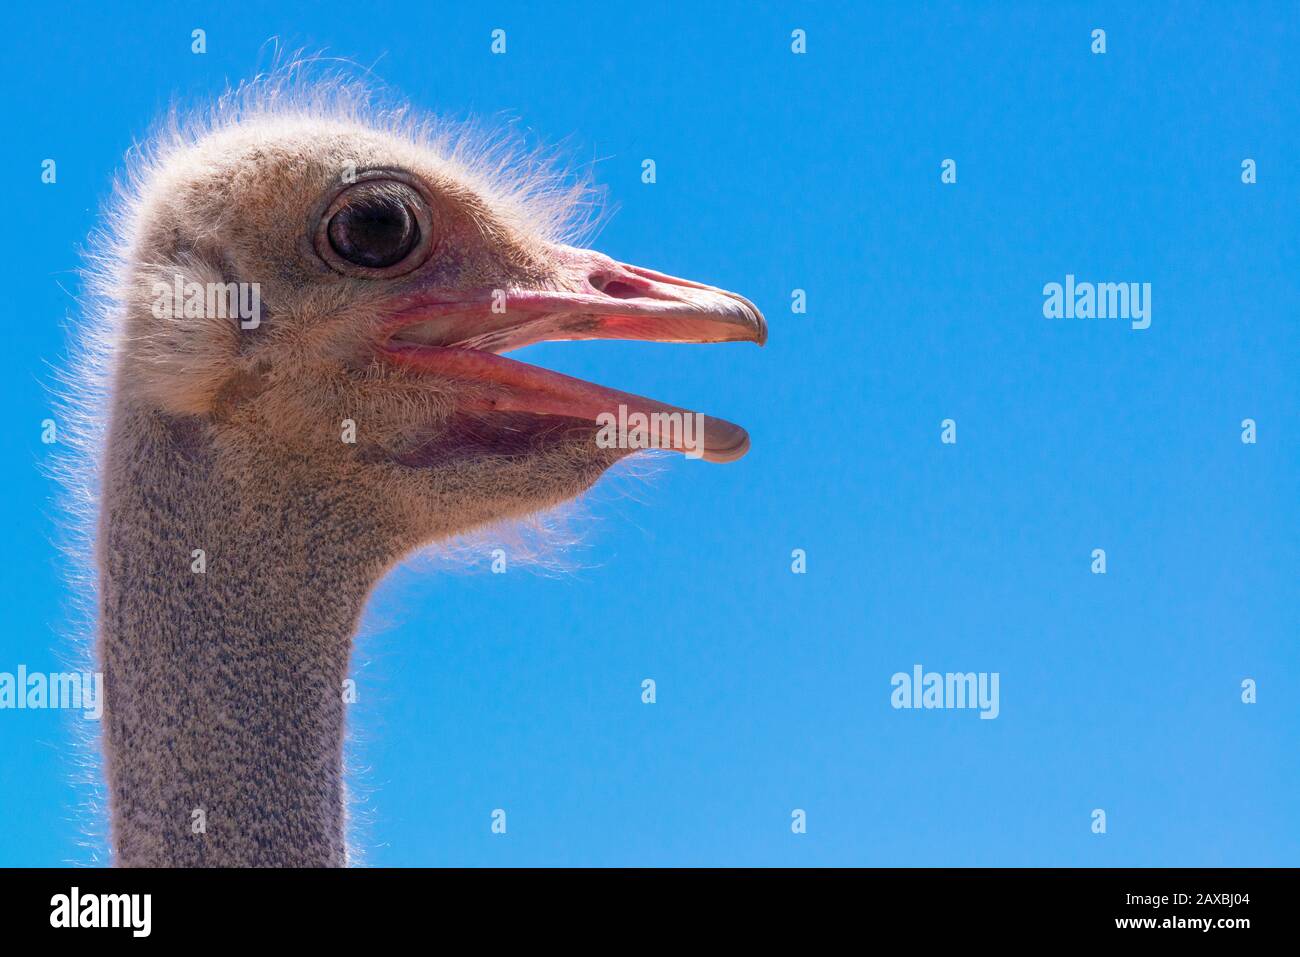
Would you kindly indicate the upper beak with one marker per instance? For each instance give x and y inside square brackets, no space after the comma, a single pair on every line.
[598,298]
[593,297]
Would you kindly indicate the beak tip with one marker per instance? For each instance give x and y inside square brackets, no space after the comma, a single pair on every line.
[725,442]
[759,323]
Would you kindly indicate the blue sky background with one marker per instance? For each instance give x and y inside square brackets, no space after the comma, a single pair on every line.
[775,171]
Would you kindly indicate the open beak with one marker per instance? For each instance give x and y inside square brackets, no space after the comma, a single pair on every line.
[460,336]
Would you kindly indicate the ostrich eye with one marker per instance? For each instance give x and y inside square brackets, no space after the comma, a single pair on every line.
[375,231]
[377,225]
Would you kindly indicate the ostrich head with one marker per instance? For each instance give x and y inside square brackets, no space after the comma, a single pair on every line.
[309,313]
[381,284]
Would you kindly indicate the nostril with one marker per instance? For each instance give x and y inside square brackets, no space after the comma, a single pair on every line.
[615,288]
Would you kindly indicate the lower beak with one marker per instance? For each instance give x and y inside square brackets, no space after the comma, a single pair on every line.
[463,338]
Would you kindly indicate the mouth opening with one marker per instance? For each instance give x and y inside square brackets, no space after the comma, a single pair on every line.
[466,339]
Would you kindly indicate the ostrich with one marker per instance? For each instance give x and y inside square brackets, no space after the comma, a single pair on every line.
[260,473]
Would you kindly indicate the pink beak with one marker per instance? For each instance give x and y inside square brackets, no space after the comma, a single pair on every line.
[461,336]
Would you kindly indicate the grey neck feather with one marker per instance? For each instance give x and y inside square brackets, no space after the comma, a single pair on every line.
[224,715]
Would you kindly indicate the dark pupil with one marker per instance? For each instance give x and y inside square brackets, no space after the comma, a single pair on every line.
[376,231]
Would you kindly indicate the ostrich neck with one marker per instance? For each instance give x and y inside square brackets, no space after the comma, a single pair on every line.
[224,680]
